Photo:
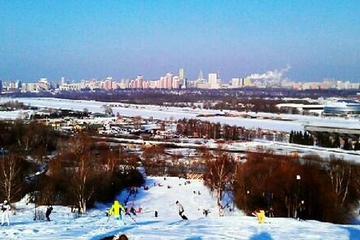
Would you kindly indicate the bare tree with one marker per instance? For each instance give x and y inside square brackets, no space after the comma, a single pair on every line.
[153,159]
[10,176]
[339,173]
[82,170]
[218,173]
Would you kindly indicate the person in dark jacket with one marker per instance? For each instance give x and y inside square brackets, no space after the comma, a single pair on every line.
[48,212]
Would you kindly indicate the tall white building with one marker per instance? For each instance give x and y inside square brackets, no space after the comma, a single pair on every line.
[237,82]
[214,82]
[168,81]
[182,78]
[182,74]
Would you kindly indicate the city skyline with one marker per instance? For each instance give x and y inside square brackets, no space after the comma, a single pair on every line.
[307,40]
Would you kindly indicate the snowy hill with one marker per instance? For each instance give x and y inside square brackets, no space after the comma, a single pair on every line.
[161,197]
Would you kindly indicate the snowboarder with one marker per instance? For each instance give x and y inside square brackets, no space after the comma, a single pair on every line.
[5,213]
[181,210]
[48,212]
[115,211]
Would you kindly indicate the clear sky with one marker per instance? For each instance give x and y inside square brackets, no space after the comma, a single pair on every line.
[82,39]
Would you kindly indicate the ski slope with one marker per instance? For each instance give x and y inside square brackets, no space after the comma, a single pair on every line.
[161,197]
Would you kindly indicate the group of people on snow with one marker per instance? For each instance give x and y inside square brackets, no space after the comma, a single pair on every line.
[117,210]
[5,212]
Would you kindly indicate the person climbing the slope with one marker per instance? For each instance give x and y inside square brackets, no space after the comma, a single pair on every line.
[116,210]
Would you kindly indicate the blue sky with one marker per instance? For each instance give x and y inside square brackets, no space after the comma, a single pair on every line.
[124,38]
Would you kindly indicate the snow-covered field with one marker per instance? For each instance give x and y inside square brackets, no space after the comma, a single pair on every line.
[161,197]
[264,121]
[295,123]
[168,225]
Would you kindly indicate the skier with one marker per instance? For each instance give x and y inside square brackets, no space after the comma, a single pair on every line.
[133,211]
[181,210]
[115,211]
[5,213]
[130,210]
[48,212]
[260,214]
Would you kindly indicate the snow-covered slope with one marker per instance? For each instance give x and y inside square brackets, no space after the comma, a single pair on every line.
[161,197]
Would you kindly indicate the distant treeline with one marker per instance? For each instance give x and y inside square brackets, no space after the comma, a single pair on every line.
[242,99]
[209,130]
[324,140]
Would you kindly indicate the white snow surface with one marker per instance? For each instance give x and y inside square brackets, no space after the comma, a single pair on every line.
[294,123]
[168,225]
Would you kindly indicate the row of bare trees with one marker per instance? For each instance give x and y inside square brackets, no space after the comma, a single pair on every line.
[327,188]
[82,170]
[27,138]
[23,148]
[204,129]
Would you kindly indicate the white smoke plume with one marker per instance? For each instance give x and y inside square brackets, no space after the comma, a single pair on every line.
[275,75]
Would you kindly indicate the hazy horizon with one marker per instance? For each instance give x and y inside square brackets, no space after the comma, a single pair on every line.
[123,39]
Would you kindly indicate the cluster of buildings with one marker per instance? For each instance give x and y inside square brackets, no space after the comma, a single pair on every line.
[172,81]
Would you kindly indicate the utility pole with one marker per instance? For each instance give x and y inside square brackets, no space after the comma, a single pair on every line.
[36,217]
